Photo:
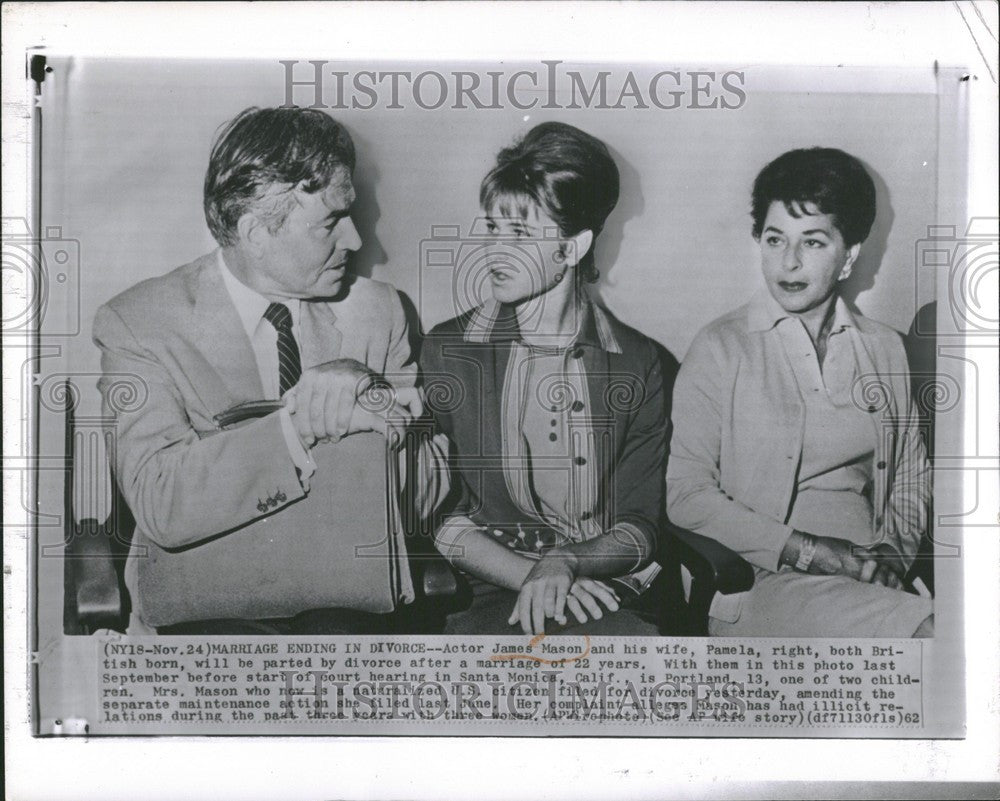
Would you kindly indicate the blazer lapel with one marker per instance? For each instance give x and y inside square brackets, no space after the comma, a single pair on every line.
[319,337]
[220,337]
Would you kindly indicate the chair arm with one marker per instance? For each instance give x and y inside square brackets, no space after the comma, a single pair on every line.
[439,579]
[713,568]
[712,562]
[94,599]
[440,591]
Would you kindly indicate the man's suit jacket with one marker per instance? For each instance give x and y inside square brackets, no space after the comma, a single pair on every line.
[224,527]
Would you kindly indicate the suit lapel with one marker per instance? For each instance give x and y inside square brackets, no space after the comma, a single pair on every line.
[220,337]
[319,338]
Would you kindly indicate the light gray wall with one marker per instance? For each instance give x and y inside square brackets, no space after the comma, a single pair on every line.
[126,145]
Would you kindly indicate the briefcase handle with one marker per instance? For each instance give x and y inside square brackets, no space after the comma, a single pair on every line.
[248,410]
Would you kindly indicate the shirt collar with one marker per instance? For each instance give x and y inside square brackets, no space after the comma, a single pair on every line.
[250,305]
[497,322]
[765,312]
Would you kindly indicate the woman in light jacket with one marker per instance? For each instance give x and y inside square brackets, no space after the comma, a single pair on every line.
[795,443]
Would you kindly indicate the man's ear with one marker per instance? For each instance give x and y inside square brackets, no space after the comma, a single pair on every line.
[252,233]
[852,256]
[577,247]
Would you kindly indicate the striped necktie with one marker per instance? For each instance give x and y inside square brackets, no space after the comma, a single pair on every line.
[289,366]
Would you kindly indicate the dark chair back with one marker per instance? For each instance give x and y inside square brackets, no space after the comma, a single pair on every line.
[921,354]
[94,551]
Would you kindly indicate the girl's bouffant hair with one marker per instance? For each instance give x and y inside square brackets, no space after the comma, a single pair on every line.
[567,173]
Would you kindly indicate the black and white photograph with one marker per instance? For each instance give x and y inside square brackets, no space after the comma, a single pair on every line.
[505,392]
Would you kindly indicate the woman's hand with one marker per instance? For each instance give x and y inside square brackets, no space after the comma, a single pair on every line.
[586,596]
[878,565]
[884,566]
[544,591]
[837,557]
[551,586]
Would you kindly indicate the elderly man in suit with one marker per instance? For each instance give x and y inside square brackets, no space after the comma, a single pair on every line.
[281,522]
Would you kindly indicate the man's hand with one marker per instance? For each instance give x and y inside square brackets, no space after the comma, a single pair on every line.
[411,399]
[322,403]
[551,586]
[342,397]
[385,409]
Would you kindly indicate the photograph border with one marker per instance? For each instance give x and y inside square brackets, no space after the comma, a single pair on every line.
[860,28]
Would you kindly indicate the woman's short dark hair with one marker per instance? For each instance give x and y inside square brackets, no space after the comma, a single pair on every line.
[567,173]
[261,155]
[833,181]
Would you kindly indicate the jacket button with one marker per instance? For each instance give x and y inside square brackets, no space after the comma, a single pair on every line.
[577,406]
[881,465]
[580,460]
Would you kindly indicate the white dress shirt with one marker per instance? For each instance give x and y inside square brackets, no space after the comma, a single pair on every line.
[250,306]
